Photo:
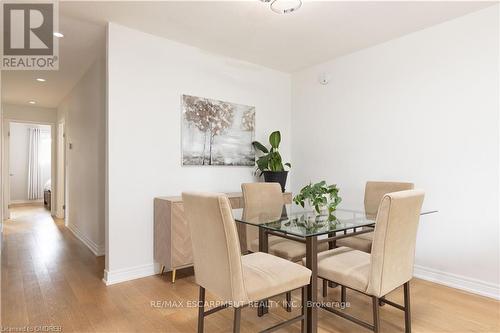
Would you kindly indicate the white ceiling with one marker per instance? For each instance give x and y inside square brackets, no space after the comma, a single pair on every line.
[246,30]
[83,42]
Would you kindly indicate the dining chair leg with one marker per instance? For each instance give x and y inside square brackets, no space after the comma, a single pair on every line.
[263,247]
[343,292]
[201,310]
[288,301]
[262,307]
[303,309]
[237,319]
[325,288]
[407,307]
[376,316]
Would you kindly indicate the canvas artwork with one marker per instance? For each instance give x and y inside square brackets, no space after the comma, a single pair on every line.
[217,132]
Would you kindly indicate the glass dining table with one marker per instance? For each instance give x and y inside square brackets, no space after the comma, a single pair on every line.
[308,227]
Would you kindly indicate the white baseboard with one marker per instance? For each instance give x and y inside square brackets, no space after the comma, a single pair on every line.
[98,250]
[458,281]
[127,274]
[474,286]
[14,203]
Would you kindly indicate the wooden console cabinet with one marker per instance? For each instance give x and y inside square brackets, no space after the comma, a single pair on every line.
[172,241]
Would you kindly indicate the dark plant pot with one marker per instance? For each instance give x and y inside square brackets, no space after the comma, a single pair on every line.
[276,177]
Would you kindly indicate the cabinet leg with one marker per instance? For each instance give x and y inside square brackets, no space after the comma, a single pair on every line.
[162,269]
[173,275]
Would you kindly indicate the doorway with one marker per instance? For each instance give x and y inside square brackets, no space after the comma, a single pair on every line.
[29,157]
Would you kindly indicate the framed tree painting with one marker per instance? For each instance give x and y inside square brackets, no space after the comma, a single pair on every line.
[216,132]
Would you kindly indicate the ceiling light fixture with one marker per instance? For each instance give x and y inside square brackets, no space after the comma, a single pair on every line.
[58,35]
[284,6]
[32,102]
[41,80]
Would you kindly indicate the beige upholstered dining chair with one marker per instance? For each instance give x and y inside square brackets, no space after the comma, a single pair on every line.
[221,269]
[390,263]
[260,197]
[268,198]
[374,192]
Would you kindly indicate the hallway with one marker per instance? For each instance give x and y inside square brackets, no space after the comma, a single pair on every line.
[44,270]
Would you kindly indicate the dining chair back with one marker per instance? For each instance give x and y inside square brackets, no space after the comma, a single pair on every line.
[216,247]
[262,194]
[393,248]
[375,191]
[260,197]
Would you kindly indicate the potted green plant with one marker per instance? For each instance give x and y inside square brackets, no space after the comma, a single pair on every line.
[319,196]
[270,163]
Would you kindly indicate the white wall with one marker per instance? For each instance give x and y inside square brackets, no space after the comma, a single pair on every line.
[146,77]
[28,113]
[83,112]
[18,161]
[421,108]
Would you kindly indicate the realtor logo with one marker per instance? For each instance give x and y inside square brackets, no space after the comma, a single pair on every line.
[28,36]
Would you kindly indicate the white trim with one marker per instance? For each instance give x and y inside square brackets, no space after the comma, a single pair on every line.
[24,121]
[26,202]
[127,274]
[474,286]
[5,170]
[60,170]
[97,249]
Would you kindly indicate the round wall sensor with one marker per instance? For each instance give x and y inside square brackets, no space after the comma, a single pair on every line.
[324,79]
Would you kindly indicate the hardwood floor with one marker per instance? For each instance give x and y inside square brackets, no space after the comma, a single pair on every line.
[50,278]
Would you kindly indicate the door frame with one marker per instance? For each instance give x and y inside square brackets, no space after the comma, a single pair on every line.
[6,160]
[61,178]
[6,169]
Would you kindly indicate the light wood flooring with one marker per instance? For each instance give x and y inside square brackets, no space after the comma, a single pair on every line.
[50,278]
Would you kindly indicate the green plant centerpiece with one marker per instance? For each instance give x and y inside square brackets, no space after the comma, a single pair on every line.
[320,196]
[270,163]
